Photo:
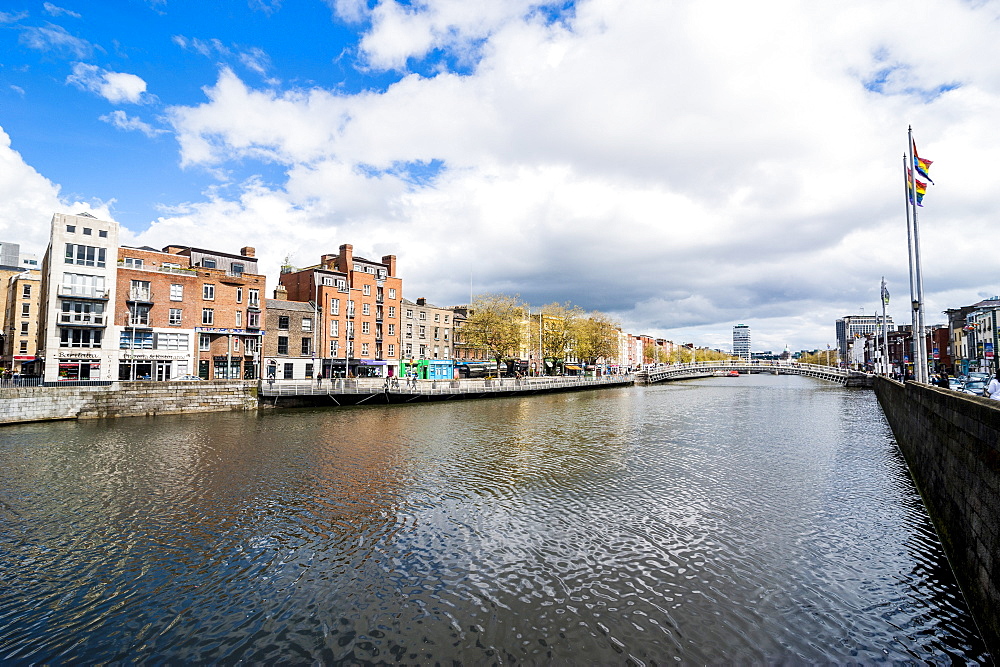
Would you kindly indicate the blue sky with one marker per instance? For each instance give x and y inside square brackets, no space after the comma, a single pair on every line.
[681,166]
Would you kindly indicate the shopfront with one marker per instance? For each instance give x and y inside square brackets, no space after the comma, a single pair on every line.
[152,366]
[73,369]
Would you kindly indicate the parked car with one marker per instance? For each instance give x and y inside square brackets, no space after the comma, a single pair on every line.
[974,387]
[188,377]
[955,383]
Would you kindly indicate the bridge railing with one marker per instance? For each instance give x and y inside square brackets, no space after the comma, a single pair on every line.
[433,387]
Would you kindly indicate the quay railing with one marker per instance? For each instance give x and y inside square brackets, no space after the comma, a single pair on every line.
[434,387]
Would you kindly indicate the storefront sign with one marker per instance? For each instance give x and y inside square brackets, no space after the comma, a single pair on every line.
[989,350]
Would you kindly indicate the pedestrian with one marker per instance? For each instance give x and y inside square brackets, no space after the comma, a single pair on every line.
[993,389]
[942,380]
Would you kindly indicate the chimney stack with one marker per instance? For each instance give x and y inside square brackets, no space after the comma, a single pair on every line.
[247,251]
[280,293]
[345,260]
[421,301]
[390,261]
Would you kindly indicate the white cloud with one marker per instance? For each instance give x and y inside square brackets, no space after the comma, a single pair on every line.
[53,10]
[30,199]
[684,166]
[123,121]
[115,87]
[55,38]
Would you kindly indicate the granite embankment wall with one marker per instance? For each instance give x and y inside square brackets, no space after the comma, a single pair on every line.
[124,399]
[951,443]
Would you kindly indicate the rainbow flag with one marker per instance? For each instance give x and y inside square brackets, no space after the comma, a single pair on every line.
[922,165]
[921,188]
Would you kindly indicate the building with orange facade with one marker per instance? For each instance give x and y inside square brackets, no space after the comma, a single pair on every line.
[357,305]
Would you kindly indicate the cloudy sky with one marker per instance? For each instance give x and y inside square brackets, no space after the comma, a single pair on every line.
[683,166]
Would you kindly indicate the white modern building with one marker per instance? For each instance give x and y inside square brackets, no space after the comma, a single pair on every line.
[78,292]
[741,341]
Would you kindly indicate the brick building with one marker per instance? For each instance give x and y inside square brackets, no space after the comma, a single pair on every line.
[358,305]
[185,310]
[289,345]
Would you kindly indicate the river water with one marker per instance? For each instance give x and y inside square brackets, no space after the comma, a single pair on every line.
[748,520]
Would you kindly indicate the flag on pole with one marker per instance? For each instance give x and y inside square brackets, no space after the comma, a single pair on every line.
[885,293]
[921,188]
[922,165]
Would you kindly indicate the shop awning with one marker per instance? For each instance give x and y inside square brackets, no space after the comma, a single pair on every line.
[571,367]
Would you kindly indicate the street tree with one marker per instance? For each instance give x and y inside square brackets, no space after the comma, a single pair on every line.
[495,326]
[595,336]
[558,323]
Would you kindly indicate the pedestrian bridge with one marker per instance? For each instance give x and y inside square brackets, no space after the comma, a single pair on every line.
[663,372]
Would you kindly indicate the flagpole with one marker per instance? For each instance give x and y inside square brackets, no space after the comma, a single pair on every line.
[922,341]
[909,192]
[885,330]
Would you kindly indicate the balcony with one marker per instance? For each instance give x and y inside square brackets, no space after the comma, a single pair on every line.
[83,292]
[140,295]
[81,320]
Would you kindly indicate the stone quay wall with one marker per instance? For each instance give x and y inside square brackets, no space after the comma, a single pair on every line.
[124,399]
[951,443]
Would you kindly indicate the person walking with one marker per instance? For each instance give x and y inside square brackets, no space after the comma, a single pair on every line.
[993,388]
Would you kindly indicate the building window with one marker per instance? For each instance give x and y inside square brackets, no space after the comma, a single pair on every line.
[366,290]
[251,345]
[132,263]
[392,311]
[309,370]
[103,233]
[171,341]
[136,340]
[335,306]
[334,348]
[253,319]
[239,295]
[208,263]
[24,347]
[25,291]
[409,349]
[341,285]
[328,281]
[423,315]
[392,350]
[334,327]
[85,255]
[307,324]
[289,371]
[392,293]
[364,349]
[70,229]
[207,316]
[204,342]
[365,328]
[236,344]
[409,330]
[409,313]
[422,331]
[366,309]
[87,231]
[138,315]
[139,290]
[283,322]
[81,312]
[392,329]
[80,337]
[237,269]
[175,317]
[208,292]
[24,328]
[282,344]
[25,310]
[78,284]
[176,292]
[238,322]
[254,298]
[437,317]
[306,346]
[446,319]
[437,333]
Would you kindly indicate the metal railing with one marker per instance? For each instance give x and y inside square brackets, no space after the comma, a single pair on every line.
[434,387]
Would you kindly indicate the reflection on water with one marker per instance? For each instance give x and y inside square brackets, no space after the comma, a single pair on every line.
[751,519]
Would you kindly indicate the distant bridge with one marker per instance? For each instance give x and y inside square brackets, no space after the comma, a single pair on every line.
[842,376]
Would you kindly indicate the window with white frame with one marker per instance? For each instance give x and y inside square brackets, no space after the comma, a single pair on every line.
[24,328]
[238,319]
[409,313]
[171,341]
[365,328]
[25,310]
[132,263]
[208,292]
[364,349]
[239,295]
[366,290]
[204,342]
[140,290]
[392,350]
[366,309]
[25,291]
[335,306]
[334,348]
[328,281]
[253,319]
[175,317]
[207,316]
[392,329]
[253,298]
[334,327]
[392,311]
[85,255]
[176,292]
[307,324]
[392,292]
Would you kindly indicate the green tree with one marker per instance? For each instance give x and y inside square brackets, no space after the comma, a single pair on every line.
[558,323]
[594,337]
[495,325]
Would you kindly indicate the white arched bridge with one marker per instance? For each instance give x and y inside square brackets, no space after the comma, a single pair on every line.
[662,373]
